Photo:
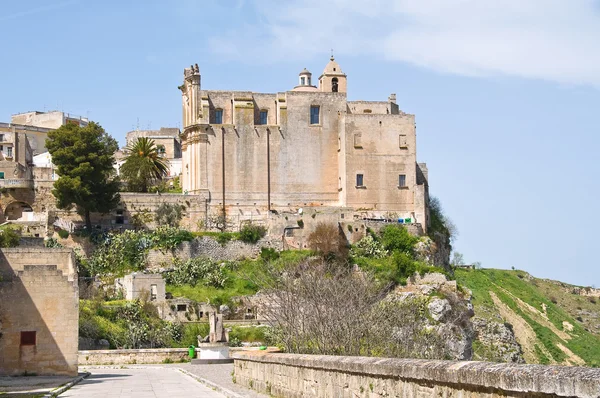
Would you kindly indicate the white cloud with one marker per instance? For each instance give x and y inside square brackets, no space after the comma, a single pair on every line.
[555,40]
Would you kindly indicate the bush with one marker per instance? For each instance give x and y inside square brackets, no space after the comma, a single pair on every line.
[169,214]
[268,254]
[327,240]
[368,247]
[9,237]
[251,233]
[194,270]
[63,233]
[397,238]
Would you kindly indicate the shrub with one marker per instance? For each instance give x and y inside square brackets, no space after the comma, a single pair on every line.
[194,270]
[169,214]
[300,223]
[553,299]
[327,240]
[251,233]
[368,247]
[592,300]
[268,254]
[9,237]
[63,233]
[397,238]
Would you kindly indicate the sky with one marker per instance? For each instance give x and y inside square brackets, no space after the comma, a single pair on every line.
[506,93]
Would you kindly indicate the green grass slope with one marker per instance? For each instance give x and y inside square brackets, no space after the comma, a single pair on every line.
[549,308]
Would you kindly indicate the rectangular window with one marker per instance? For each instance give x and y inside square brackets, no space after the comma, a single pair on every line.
[1,137]
[219,116]
[302,81]
[9,152]
[1,175]
[314,114]
[359,180]
[401,180]
[153,292]
[28,338]
[403,141]
[181,307]
[357,140]
[263,117]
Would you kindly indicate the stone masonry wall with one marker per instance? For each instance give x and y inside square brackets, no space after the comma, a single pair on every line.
[38,295]
[289,375]
[125,357]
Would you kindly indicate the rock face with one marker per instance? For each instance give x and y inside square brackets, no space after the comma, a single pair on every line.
[497,341]
[434,251]
[448,312]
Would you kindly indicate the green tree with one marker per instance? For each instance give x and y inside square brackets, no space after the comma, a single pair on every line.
[84,157]
[169,214]
[143,165]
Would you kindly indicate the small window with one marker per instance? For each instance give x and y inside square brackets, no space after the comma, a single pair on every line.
[302,81]
[181,307]
[359,180]
[153,292]
[401,180]
[219,116]
[308,80]
[403,141]
[2,137]
[1,175]
[28,338]
[9,152]
[263,117]
[358,140]
[314,114]
[334,85]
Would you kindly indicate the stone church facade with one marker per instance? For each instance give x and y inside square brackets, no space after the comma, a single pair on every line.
[306,147]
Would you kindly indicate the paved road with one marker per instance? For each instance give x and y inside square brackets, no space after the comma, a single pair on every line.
[157,382]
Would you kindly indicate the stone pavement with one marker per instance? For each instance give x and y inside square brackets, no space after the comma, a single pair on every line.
[34,385]
[221,374]
[139,382]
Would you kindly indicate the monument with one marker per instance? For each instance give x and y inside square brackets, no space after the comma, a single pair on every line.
[214,348]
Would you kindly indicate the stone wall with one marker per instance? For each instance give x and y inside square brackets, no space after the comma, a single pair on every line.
[210,248]
[39,312]
[289,375]
[126,357]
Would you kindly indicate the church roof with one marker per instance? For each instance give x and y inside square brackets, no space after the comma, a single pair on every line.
[333,68]
[305,72]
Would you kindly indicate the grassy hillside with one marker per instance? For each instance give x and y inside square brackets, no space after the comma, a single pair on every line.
[552,325]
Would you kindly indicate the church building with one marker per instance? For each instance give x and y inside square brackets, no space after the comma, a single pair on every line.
[305,147]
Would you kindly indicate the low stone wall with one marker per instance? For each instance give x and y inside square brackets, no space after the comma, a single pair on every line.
[127,357]
[289,375]
[208,247]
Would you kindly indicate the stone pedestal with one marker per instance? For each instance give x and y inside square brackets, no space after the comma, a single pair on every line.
[213,353]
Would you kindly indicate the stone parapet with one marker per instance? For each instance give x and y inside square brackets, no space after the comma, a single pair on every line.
[127,357]
[291,375]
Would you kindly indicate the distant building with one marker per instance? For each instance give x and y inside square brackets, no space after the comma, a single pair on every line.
[135,285]
[36,125]
[39,314]
[247,152]
[167,141]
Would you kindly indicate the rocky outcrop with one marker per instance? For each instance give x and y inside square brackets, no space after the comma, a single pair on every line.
[447,312]
[497,342]
[434,251]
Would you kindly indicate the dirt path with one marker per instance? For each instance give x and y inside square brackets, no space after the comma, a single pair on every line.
[524,333]
[572,359]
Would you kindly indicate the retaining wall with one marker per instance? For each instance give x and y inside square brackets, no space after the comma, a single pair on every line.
[290,375]
[127,357]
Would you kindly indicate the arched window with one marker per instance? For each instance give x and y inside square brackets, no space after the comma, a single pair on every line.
[334,85]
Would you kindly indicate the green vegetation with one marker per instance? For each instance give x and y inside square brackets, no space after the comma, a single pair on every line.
[561,306]
[84,158]
[194,270]
[389,255]
[252,233]
[10,235]
[169,214]
[119,253]
[240,279]
[143,165]
[63,234]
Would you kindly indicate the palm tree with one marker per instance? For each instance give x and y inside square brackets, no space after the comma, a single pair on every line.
[143,165]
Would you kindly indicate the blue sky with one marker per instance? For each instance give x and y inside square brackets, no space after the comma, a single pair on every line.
[506,93]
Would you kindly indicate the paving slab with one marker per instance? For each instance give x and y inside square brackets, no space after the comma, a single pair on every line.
[142,382]
[31,385]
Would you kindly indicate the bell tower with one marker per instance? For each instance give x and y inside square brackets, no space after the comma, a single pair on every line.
[333,80]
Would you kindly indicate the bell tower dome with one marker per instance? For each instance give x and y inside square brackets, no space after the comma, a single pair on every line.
[333,80]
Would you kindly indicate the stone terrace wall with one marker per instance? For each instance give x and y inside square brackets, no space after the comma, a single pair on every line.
[289,375]
[126,357]
[210,248]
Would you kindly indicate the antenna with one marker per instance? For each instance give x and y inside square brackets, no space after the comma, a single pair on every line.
[137,126]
